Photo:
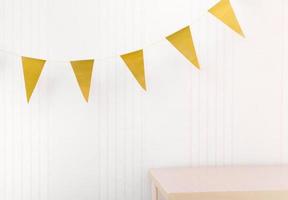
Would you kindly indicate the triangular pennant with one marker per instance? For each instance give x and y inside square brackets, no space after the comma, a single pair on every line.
[135,63]
[224,12]
[83,72]
[183,42]
[32,69]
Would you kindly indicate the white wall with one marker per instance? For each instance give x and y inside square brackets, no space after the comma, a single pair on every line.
[233,111]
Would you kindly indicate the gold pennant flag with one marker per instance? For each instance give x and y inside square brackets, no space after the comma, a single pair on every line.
[32,69]
[183,42]
[224,12]
[83,72]
[135,63]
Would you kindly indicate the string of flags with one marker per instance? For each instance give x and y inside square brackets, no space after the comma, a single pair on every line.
[181,40]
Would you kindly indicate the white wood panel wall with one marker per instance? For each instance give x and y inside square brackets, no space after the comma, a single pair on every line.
[233,111]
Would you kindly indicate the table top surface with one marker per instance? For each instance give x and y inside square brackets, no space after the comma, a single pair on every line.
[221,179]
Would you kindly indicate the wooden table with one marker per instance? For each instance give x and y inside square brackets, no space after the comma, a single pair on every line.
[221,183]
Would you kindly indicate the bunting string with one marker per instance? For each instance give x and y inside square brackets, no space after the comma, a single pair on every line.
[105,58]
[181,40]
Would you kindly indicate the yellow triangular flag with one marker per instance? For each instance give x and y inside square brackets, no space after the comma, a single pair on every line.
[224,12]
[183,42]
[135,63]
[83,72]
[32,69]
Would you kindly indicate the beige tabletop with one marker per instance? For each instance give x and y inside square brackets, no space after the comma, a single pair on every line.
[210,182]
